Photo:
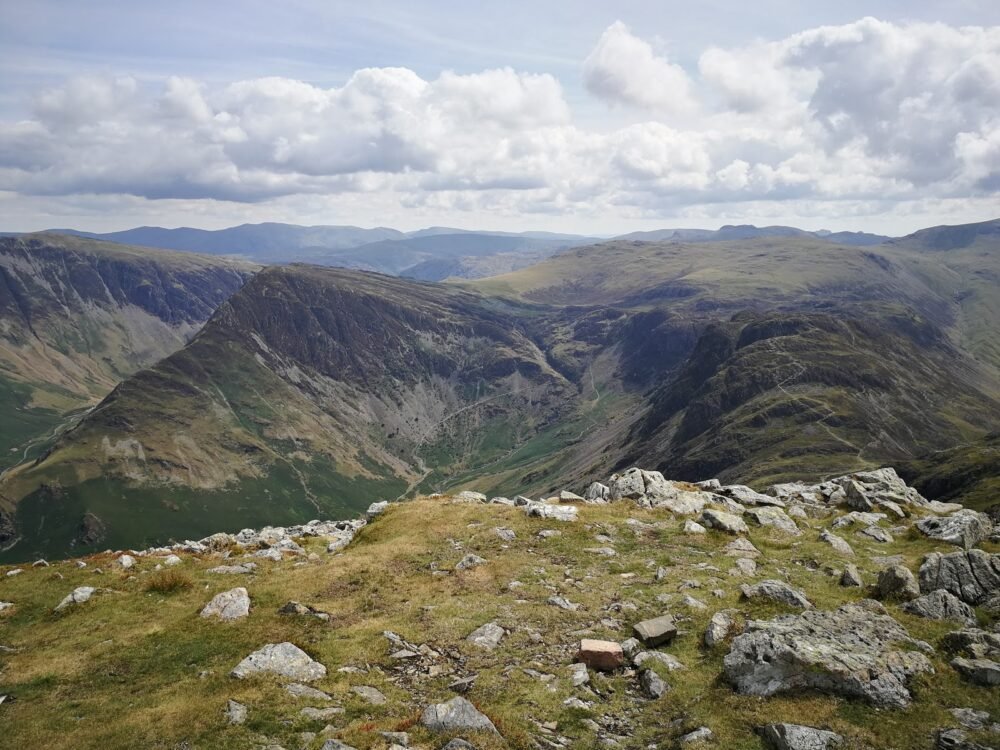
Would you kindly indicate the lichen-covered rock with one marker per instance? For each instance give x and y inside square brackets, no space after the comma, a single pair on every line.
[798,737]
[851,651]
[597,494]
[984,672]
[228,606]
[285,659]
[775,518]
[897,582]
[965,528]
[548,510]
[719,628]
[838,543]
[648,489]
[456,715]
[941,605]
[972,576]
[723,521]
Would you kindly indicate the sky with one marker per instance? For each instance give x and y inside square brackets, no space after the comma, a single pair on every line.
[563,115]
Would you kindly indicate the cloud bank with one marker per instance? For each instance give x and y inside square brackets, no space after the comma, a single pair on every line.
[869,114]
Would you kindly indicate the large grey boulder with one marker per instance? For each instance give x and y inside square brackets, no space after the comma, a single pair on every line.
[775,518]
[597,494]
[851,651]
[723,521]
[941,605]
[798,737]
[229,605]
[776,591]
[456,715]
[285,659]
[966,528]
[972,576]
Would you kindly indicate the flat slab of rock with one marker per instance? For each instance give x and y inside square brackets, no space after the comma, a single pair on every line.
[555,512]
[298,690]
[776,591]
[965,528]
[838,543]
[456,715]
[487,636]
[229,605]
[972,576]
[851,651]
[798,737]
[285,659]
[604,656]
[373,695]
[656,631]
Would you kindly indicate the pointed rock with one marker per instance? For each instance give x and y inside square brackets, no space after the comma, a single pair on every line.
[285,659]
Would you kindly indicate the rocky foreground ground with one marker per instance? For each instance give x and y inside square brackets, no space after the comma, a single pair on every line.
[643,613]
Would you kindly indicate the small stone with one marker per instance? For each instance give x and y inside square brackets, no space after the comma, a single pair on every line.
[565,496]
[653,686]
[741,548]
[604,656]
[321,714]
[839,545]
[563,603]
[469,561]
[79,595]
[376,509]
[719,628]
[656,631]
[298,690]
[701,734]
[508,535]
[487,636]
[171,560]
[970,718]
[126,561]
[578,674]
[851,577]
[243,568]
[235,712]
[374,696]
[693,527]
[878,534]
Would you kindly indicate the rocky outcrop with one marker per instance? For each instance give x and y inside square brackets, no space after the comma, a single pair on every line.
[965,528]
[648,489]
[853,651]
[941,605]
[972,576]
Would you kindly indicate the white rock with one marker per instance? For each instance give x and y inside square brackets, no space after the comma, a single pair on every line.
[229,605]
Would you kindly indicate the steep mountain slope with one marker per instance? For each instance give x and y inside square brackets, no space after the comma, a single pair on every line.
[77,316]
[310,391]
[316,390]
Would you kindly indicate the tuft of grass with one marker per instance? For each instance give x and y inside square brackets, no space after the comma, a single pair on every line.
[168,581]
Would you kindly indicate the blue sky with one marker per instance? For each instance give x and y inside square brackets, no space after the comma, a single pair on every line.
[581,116]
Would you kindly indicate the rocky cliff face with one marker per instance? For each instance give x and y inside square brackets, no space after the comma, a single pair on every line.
[77,316]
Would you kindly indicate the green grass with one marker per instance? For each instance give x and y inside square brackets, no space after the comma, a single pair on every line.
[133,667]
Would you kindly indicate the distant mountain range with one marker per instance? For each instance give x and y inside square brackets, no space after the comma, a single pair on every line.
[431,254]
